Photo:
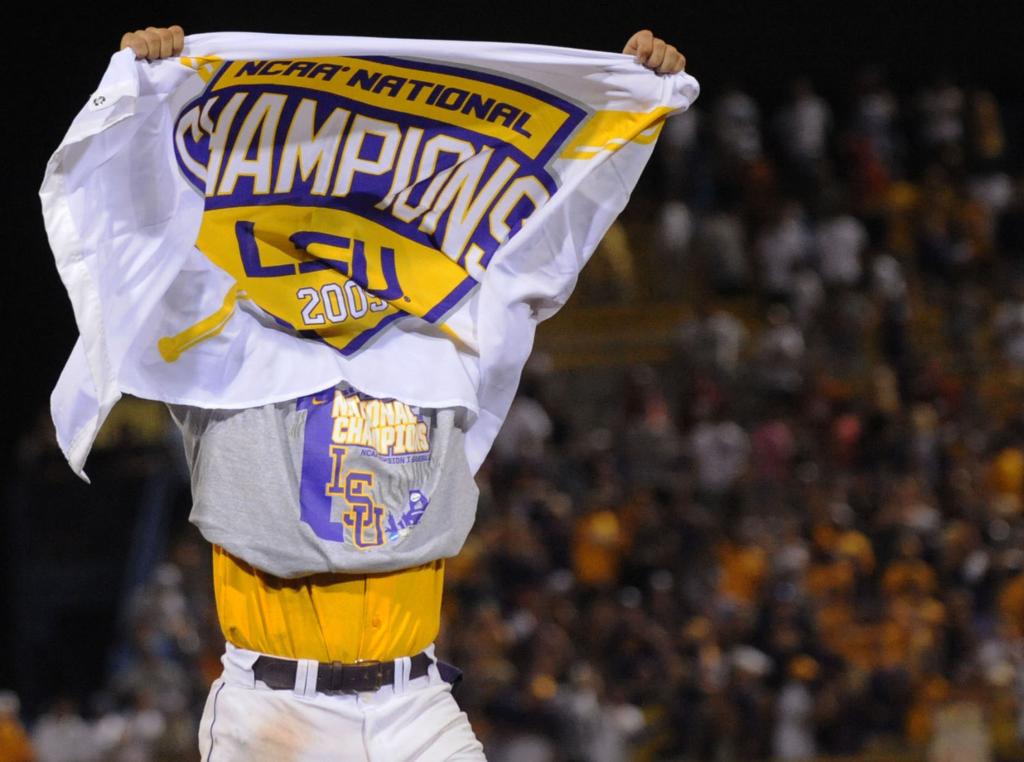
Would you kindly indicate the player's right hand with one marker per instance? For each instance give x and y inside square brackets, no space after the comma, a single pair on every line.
[155,42]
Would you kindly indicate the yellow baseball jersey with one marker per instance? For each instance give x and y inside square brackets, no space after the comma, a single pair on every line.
[328,617]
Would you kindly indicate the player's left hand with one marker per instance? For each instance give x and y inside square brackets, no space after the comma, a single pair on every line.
[654,53]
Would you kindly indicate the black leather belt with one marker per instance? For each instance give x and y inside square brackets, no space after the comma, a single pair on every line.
[335,677]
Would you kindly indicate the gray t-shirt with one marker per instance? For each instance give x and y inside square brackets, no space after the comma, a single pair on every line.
[333,482]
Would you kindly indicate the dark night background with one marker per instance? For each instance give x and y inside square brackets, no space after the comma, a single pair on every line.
[61,53]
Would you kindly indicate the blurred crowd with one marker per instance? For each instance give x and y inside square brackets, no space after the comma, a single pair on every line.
[799,535]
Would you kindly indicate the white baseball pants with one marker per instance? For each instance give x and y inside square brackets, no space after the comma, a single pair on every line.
[245,721]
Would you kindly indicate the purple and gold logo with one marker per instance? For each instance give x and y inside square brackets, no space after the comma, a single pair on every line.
[344,194]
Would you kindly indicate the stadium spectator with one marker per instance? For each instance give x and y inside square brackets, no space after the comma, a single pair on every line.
[14,741]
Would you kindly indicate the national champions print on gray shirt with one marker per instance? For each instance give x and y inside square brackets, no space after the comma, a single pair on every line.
[331,482]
